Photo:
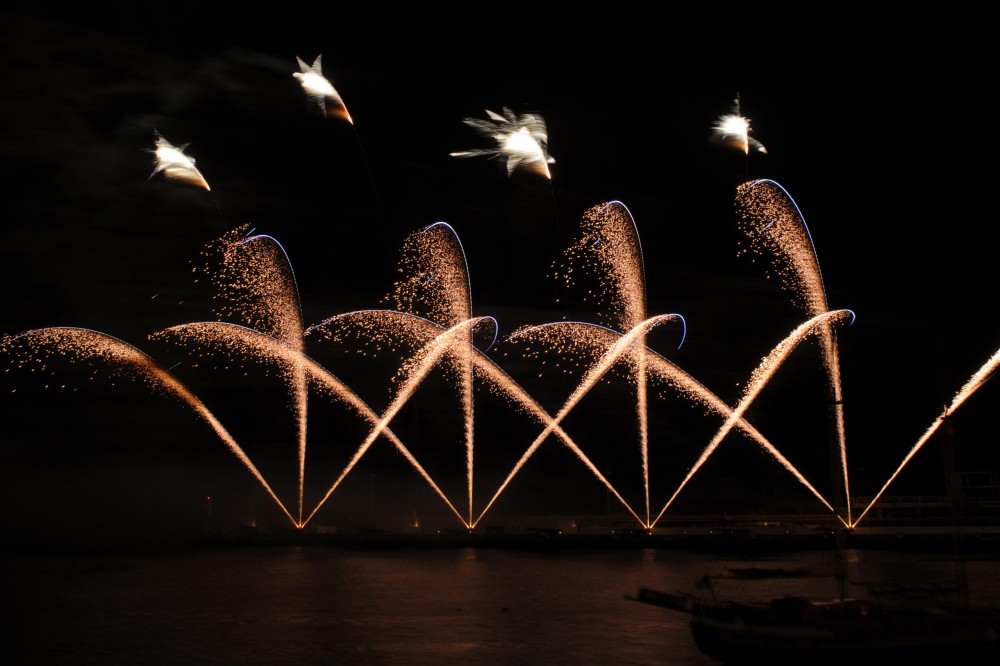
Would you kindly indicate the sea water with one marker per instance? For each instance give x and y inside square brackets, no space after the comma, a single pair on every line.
[453,605]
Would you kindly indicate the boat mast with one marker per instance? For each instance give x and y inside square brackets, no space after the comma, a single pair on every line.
[839,496]
[955,503]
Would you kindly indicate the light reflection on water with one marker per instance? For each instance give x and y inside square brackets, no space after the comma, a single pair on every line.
[401,606]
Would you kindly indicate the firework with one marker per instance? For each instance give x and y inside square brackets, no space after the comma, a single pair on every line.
[319,88]
[522,140]
[173,163]
[734,130]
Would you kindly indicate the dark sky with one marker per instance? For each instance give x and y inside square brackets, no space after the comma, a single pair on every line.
[875,122]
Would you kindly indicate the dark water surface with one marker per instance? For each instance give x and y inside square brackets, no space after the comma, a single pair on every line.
[311,605]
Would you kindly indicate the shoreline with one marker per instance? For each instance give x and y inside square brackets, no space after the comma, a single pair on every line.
[971,544]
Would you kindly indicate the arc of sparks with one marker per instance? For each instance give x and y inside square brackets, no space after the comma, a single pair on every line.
[419,330]
[83,342]
[772,222]
[256,278]
[503,382]
[319,88]
[228,336]
[974,383]
[596,339]
[593,375]
[172,162]
[758,379]
[439,282]
[414,371]
[438,287]
[610,239]
[522,140]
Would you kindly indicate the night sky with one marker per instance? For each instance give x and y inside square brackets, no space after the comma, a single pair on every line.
[875,122]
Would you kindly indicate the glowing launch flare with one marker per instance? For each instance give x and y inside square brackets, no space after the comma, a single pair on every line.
[521,139]
[173,163]
[320,89]
[734,130]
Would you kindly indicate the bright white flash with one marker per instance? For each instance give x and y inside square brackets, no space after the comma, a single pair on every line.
[173,163]
[734,130]
[521,139]
[319,88]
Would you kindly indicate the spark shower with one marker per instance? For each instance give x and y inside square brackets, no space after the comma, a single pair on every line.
[428,326]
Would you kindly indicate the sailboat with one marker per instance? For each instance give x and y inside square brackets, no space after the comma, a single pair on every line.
[805,630]
[844,629]
[796,629]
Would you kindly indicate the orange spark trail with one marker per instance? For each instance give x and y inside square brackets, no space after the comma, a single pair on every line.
[503,382]
[414,371]
[594,374]
[971,386]
[256,286]
[609,248]
[386,328]
[232,338]
[82,344]
[758,380]
[773,223]
[249,341]
[436,287]
[590,340]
